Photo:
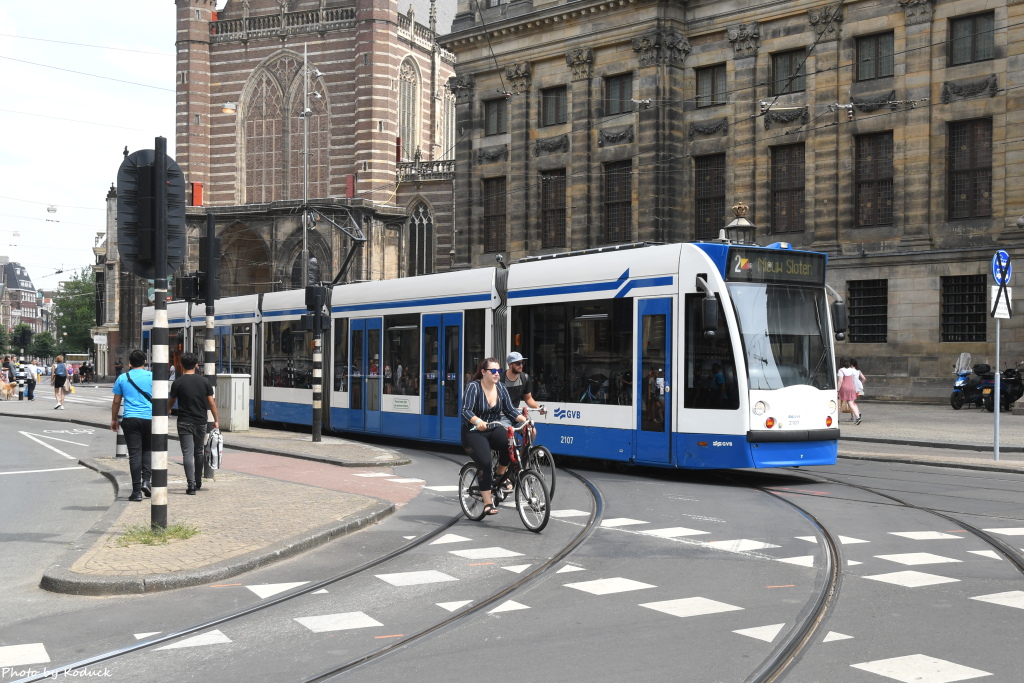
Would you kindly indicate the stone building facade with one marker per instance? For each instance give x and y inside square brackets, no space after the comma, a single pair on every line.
[886,133]
[380,129]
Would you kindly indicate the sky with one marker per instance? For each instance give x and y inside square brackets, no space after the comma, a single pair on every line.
[63,132]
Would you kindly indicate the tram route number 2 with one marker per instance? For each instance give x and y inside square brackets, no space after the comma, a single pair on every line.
[566,439]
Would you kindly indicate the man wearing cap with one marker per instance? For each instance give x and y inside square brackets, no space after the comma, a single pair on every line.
[517,382]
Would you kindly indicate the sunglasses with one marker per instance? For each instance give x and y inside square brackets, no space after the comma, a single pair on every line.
[492,370]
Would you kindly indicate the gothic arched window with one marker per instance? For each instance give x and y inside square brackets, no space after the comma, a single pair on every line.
[408,108]
[420,242]
[263,142]
[319,143]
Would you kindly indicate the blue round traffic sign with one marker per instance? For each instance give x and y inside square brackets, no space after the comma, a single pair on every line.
[1002,269]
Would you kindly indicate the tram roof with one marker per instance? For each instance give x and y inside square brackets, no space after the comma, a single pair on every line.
[464,289]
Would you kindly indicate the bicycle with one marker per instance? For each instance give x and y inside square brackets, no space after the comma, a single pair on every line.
[538,458]
[532,499]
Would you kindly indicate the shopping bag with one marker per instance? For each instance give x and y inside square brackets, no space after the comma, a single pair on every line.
[846,407]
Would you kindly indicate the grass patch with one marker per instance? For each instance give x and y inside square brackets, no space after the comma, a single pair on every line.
[145,535]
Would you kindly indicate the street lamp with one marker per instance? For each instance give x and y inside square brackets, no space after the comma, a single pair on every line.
[305,114]
[739,230]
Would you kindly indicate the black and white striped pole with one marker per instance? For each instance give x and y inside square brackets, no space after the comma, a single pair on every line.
[316,299]
[211,268]
[121,450]
[158,509]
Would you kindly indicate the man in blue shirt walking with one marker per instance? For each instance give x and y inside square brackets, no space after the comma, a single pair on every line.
[135,388]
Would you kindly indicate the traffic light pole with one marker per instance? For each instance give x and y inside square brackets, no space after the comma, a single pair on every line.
[209,343]
[158,509]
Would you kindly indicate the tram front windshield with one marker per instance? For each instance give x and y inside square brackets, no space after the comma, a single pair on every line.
[785,334]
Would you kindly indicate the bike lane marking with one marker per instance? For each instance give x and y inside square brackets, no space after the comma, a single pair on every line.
[43,443]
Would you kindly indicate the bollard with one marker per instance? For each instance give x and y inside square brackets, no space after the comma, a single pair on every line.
[121,450]
[21,387]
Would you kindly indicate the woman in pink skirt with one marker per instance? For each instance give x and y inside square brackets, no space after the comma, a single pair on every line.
[848,387]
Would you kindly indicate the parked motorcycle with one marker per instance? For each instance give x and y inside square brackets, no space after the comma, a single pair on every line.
[967,389]
[1011,388]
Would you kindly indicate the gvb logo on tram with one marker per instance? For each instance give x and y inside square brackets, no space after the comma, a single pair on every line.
[561,413]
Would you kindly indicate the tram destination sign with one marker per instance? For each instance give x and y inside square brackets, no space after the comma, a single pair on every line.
[770,265]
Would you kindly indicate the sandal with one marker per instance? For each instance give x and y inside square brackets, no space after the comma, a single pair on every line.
[490,510]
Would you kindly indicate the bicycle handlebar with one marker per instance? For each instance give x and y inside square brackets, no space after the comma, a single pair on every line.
[491,425]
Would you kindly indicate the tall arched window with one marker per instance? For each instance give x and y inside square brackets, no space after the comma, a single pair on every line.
[319,143]
[448,126]
[408,108]
[263,142]
[420,249]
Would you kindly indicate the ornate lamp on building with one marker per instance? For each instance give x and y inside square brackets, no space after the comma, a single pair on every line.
[739,230]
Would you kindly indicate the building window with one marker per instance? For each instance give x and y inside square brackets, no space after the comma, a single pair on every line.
[552,208]
[963,314]
[788,72]
[494,214]
[496,116]
[869,311]
[264,167]
[618,94]
[709,195]
[970,169]
[553,108]
[972,39]
[495,3]
[711,86]
[788,188]
[448,130]
[875,57]
[421,242]
[408,108]
[874,179]
[618,202]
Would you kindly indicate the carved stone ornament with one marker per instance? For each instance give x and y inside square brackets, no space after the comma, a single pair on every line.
[615,136]
[581,61]
[487,155]
[709,127]
[661,47]
[786,116]
[744,39]
[559,143]
[964,90]
[462,88]
[519,77]
[917,11]
[876,102]
[826,21]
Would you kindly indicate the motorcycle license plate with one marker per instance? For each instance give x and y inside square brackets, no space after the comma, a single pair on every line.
[986,391]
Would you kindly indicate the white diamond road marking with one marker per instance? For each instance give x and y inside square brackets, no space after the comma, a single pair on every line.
[211,638]
[804,561]
[620,521]
[923,535]
[1008,531]
[920,669]
[265,590]
[338,622]
[851,563]
[986,553]
[916,558]
[673,532]
[415,578]
[322,590]
[375,474]
[569,513]
[607,586]
[1007,599]
[408,481]
[690,607]
[450,538]
[408,538]
[765,633]
[442,489]
[832,635]
[517,568]
[570,568]
[19,655]
[911,579]
[846,540]
[809,539]
[485,553]
[509,606]
[452,606]
[739,545]
[140,636]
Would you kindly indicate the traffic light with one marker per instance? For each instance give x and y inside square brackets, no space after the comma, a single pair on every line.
[137,212]
[209,266]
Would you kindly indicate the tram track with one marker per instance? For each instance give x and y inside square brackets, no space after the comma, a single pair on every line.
[111,655]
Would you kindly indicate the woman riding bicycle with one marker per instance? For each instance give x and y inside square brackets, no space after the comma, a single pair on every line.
[485,401]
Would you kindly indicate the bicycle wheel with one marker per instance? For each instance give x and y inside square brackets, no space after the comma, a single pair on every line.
[532,501]
[543,463]
[469,492]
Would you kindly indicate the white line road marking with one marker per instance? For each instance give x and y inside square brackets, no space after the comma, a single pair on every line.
[607,586]
[43,443]
[211,638]
[924,535]
[739,545]
[803,561]
[265,590]
[55,469]
[916,558]
[673,532]
[1010,531]
[835,635]
[620,521]
[338,622]
[570,568]
[509,606]
[415,578]
[1009,599]
[920,669]
[452,606]
[517,568]
[449,538]
[485,553]
[986,553]
[140,636]
[54,438]
[19,655]
[911,579]
[442,489]
[765,633]
[690,607]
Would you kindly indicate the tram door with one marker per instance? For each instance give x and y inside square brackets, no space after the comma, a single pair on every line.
[365,387]
[654,401]
[442,376]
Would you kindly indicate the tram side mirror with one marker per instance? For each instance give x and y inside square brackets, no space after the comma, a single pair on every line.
[709,316]
[839,319]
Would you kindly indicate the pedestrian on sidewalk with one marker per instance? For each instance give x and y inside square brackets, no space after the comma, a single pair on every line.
[194,395]
[848,388]
[135,388]
[31,379]
[118,368]
[58,377]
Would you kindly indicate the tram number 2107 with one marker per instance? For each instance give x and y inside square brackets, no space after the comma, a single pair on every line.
[566,439]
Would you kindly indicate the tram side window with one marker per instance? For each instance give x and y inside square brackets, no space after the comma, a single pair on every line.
[710,363]
[288,356]
[401,354]
[341,369]
[473,332]
[579,352]
[240,359]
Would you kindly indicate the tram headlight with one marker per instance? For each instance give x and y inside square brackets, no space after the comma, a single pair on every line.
[770,422]
[831,406]
[760,408]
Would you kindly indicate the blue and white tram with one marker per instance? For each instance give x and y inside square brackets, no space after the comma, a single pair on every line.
[706,355]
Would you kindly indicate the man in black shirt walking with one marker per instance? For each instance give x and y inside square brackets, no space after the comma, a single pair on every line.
[194,395]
